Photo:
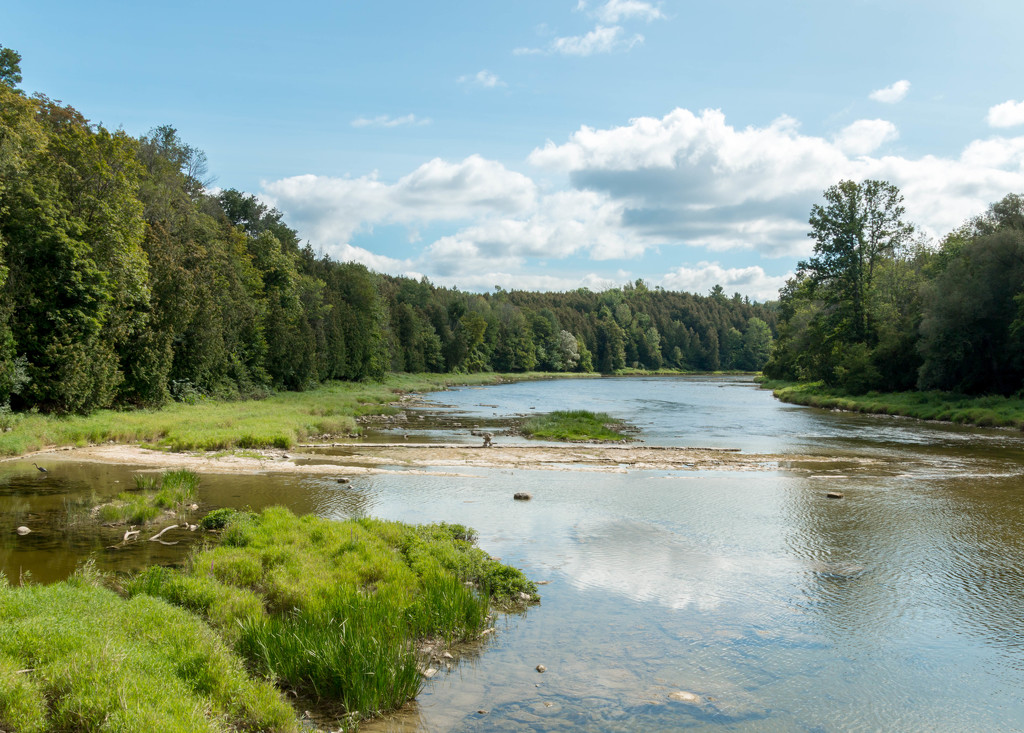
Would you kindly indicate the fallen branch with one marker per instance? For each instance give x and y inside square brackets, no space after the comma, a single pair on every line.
[158,535]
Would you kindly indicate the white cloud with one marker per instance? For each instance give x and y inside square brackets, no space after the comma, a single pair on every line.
[603,39]
[893,93]
[865,136]
[388,121]
[688,187]
[694,179]
[751,281]
[615,11]
[1007,114]
[482,78]
[331,210]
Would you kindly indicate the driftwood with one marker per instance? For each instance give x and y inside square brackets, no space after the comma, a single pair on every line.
[129,535]
[158,535]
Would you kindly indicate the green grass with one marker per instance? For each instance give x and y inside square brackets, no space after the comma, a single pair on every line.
[281,420]
[333,610]
[575,425]
[985,411]
[76,656]
[172,492]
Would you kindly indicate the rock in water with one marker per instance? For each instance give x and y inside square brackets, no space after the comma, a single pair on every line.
[522,496]
[23,530]
[541,668]
[834,495]
[683,696]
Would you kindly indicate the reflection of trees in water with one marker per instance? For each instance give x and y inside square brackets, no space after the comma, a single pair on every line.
[901,559]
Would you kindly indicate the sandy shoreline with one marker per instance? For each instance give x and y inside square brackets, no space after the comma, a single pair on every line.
[375,458]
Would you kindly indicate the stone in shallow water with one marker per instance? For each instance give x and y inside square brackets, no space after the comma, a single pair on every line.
[683,696]
[23,530]
[522,496]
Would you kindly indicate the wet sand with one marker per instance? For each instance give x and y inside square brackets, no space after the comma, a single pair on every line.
[375,458]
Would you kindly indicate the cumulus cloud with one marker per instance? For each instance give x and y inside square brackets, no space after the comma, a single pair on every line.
[687,187]
[482,78]
[750,281]
[331,210]
[1007,114]
[865,136]
[388,121]
[891,94]
[693,178]
[615,11]
[603,39]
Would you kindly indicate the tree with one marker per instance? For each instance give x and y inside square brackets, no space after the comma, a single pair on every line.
[971,335]
[858,226]
[10,67]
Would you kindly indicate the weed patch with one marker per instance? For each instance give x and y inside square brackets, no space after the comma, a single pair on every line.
[574,425]
[333,610]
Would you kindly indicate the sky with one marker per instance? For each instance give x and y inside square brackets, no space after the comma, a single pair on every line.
[557,144]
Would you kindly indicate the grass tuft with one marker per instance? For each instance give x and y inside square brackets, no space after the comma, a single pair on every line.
[983,411]
[574,425]
[76,656]
[332,610]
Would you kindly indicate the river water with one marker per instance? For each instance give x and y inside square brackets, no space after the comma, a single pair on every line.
[897,608]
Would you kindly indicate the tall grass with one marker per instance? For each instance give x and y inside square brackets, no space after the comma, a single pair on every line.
[280,420]
[333,609]
[354,649]
[984,411]
[574,425]
[173,491]
[75,656]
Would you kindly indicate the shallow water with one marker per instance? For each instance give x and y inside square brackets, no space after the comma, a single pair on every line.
[898,607]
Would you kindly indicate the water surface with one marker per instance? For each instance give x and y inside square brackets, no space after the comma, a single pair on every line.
[898,607]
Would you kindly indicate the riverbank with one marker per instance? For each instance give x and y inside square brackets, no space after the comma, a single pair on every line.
[347,618]
[360,459]
[987,411]
[281,420]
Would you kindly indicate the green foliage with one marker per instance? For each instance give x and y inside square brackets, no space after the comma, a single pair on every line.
[332,609]
[217,519]
[123,283]
[574,425]
[174,491]
[988,411]
[75,656]
[10,67]
[971,336]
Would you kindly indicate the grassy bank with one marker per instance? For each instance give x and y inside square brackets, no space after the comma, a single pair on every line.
[333,610]
[170,494]
[76,656]
[280,420]
[574,425]
[990,411]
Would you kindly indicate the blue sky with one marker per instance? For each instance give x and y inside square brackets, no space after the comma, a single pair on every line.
[558,144]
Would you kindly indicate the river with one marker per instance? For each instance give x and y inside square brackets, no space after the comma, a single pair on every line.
[898,607]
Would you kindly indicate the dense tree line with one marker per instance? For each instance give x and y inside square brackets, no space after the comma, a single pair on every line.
[124,282]
[877,309]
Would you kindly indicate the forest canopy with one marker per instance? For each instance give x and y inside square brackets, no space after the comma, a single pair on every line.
[124,281]
[876,309]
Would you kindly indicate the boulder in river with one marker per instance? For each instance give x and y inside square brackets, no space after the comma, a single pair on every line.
[687,697]
[834,495]
[522,496]
[23,530]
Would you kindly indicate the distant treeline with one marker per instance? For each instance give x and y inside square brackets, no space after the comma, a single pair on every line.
[877,309]
[124,283]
